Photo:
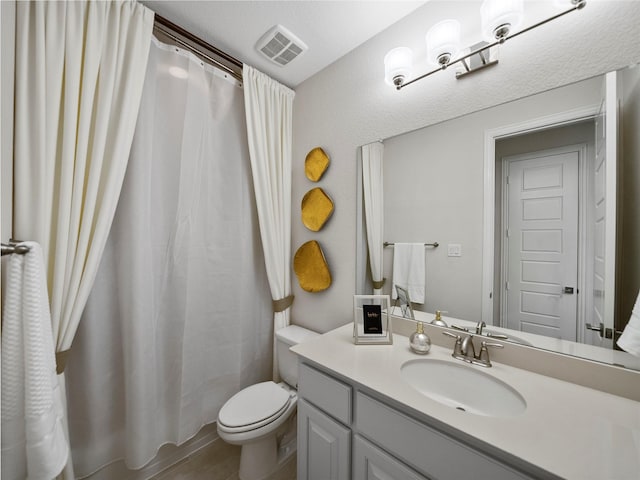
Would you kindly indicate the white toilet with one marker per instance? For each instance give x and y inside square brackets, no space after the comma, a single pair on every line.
[261,418]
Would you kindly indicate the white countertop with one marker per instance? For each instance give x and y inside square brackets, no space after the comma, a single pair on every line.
[569,430]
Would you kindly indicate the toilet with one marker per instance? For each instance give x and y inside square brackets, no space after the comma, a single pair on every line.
[261,418]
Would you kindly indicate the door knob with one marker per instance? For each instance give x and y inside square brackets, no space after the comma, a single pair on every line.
[568,290]
[599,329]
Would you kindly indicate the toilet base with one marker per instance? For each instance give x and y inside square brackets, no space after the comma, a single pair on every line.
[260,459]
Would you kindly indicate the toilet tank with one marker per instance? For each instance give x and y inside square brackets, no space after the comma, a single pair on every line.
[288,361]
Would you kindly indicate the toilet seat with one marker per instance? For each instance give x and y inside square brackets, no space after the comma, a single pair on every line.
[254,407]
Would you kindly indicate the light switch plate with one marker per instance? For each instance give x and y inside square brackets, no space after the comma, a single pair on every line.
[454,250]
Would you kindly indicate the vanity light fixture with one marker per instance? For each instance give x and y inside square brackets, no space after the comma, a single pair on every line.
[397,65]
[499,17]
[501,20]
[443,42]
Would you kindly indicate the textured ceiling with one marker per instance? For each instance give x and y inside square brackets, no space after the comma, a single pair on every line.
[329,28]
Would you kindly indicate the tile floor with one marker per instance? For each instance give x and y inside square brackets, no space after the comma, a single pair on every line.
[218,461]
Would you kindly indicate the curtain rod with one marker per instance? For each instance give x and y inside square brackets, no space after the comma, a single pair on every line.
[12,247]
[192,43]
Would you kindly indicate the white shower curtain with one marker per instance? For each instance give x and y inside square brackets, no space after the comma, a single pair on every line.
[79,73]
[178,320]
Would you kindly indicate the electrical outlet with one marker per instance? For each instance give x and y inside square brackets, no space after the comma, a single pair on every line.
[454,250]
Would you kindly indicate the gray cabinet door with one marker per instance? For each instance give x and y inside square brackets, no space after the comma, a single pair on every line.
[324,446]
[371,463]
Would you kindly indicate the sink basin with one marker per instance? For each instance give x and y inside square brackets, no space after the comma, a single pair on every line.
[463,387]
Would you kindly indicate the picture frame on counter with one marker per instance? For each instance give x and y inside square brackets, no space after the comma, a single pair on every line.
[371,320]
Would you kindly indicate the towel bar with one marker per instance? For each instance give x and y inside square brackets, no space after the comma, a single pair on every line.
[391,244]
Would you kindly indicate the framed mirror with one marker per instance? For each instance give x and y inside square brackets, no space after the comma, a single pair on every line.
[460,182]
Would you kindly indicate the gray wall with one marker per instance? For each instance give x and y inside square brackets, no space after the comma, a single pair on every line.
[348,104]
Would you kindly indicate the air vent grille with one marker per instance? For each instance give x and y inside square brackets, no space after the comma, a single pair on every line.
[280,45]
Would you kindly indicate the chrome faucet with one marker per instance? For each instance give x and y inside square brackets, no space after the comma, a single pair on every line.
[465,350]
[479,327]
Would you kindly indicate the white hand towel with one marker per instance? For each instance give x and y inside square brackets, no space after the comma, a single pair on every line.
[629,341]
[409,270]
[34,444]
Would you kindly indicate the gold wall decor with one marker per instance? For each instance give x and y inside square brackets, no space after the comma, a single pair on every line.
[311,267]
[316,209]
[316,164]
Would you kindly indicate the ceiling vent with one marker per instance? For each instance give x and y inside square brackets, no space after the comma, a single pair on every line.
[280,45]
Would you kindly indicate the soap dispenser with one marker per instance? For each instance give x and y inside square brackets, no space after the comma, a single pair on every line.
[438,320]
[419,341]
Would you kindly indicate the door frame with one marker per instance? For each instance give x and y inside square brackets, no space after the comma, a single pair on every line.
[582,250]
[490,137]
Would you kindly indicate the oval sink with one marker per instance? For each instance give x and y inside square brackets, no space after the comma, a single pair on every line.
[463,387]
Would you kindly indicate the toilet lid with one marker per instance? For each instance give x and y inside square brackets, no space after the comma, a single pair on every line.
[254,404]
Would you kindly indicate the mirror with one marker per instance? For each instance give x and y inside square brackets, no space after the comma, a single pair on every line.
[452,183]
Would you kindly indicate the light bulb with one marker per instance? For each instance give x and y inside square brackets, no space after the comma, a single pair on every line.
[397,66]
[443,42]
[500,17]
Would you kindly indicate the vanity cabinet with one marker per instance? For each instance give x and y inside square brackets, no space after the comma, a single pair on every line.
[372,463]
[429,451]
[324,434]
[325,445]
[344,432]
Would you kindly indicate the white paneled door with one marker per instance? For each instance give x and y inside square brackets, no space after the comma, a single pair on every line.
[541,242]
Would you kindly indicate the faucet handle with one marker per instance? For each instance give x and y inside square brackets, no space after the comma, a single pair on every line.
[462,329]
[484,351]
[453,335]
[457,348]
[498,336]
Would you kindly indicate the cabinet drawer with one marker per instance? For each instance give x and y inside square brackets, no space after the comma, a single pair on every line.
[429,451]
[371,463]
[326,393]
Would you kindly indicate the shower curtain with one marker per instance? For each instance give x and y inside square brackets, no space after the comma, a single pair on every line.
[372,187]
[179,317]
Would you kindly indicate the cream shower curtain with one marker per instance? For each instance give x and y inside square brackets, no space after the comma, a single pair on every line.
[269,114]
[79,72]
[178,320]
[372,183]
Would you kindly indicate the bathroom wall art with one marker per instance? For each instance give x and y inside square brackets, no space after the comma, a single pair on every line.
[311,267]
[316,164]
[316,209]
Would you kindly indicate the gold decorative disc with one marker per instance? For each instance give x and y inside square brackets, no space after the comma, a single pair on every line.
[317,207]
[311,267]
[316,164]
